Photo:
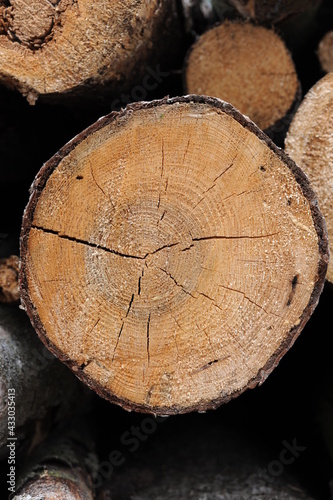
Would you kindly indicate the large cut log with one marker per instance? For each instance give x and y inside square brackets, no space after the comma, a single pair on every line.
[310,143]
[37,389]
[60,47]
[248,66]
[171,254]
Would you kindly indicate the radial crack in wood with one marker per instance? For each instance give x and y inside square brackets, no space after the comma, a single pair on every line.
[159,303]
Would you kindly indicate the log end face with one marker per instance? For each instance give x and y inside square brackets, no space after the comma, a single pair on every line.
[310,143]
[246,65]
[174,286]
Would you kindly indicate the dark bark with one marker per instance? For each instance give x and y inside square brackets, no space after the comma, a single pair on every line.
[45,391]
[60,468]
[210,462]
[271,11]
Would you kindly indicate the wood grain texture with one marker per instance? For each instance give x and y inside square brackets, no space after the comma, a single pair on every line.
[248,66]
[171,254]
[310,143]
[75,47]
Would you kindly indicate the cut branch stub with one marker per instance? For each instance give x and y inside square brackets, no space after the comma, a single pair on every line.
[61,48]
[171,254]
[310,143]
[248,66]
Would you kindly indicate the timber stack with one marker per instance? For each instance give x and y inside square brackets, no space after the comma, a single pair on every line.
[167,235]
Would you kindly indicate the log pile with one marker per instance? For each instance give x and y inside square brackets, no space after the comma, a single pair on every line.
[166,171]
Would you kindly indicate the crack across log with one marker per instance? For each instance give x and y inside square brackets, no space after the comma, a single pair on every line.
[113,254]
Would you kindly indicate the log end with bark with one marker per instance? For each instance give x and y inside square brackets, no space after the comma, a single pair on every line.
[60,468]
[171,254]
[63,48]
[248,66]
[310,143]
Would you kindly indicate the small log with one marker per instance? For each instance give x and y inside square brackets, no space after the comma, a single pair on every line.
[171,254]
[325,52]
[59,468]
[9,289]
[310,143]
[62,48]
[248,66]
[43,390]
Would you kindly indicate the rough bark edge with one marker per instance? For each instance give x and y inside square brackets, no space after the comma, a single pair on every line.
[163,47]
[301,179]
[67,459]
[277,131]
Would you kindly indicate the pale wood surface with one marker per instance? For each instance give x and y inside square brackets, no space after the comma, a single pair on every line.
[50,48]
[310,143]
[171,254]
[246,65]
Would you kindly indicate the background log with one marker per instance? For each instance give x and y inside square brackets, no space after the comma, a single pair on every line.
[213,462]
[62,467]
[250,67]
[310,143]
[65,48]
[45,392]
